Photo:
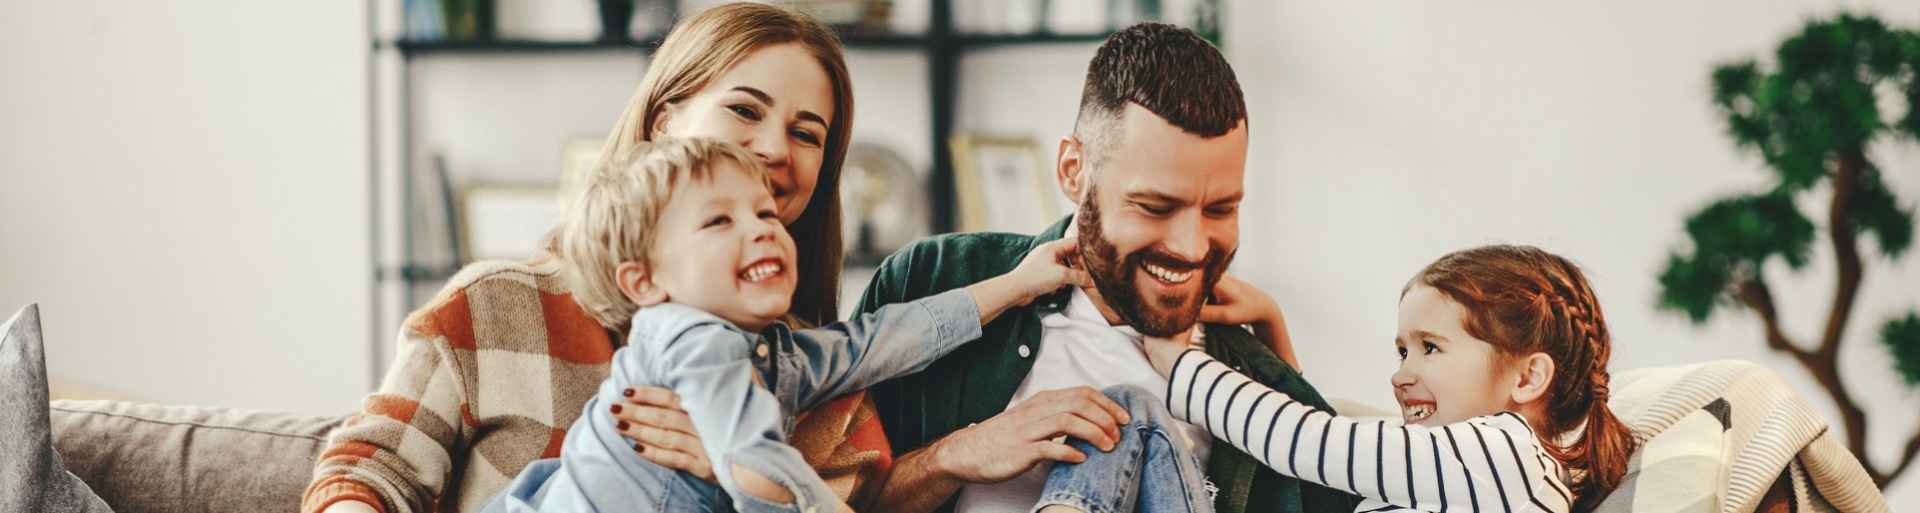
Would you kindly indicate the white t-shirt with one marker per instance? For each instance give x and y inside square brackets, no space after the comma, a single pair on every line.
[1077,347]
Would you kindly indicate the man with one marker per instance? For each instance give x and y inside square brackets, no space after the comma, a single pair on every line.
[1156,163]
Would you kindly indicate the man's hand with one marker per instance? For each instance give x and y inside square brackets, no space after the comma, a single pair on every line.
[1016,440]
[1237,302]
[662,432]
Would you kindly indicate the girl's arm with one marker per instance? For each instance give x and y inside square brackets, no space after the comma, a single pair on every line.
[1488,463]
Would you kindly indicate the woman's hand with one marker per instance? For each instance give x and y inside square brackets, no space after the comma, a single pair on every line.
[1237,302]
[662,432]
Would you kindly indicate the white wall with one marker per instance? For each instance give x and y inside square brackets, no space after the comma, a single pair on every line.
[184,190]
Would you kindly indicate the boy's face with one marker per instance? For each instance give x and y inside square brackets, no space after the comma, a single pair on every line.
[721,248]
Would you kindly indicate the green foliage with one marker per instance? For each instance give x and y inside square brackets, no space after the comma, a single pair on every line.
[1902,338]
[1874,210]
[1693,285]
[1732,239]
[1807,113]
[1820,102]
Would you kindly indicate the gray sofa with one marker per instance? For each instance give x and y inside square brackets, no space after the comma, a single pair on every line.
[166,459]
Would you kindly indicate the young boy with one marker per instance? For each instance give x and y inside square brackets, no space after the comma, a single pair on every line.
[681,238]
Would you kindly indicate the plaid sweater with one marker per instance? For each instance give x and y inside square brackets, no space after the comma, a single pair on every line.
[489,376]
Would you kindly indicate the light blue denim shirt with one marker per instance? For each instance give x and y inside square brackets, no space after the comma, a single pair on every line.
[711,364]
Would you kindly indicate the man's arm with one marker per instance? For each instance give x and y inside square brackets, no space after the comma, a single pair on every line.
[1003,447]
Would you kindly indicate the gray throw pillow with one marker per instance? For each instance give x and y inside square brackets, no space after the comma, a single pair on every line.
[31,475]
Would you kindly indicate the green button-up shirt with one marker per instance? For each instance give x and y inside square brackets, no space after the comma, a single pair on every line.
[977,381]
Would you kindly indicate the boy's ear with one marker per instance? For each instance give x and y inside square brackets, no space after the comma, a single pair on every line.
[1069,168]
[637,284]
[1535,377]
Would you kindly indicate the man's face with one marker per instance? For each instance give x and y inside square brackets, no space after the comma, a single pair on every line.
[1160,220]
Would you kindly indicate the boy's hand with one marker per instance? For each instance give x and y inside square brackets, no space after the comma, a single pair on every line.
[1162,352]
[1045,270]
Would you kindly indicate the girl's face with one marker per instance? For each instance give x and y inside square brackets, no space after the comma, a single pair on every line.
[1446,375]
[777,102]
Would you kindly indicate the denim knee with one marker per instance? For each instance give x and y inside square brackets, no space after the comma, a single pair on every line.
[1147,410]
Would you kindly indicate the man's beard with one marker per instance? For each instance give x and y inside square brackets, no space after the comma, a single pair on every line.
[1113,275]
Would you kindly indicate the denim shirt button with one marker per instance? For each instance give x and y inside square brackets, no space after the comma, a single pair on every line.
[760,350]
[1024,351]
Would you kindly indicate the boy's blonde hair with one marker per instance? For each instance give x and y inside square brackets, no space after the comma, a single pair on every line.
[612,219]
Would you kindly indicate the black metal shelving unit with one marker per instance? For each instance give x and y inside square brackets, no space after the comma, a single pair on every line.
[942,45]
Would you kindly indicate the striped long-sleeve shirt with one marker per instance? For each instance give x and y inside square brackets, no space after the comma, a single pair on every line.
[1491,463]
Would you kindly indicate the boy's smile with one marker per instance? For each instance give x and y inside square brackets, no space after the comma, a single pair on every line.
[722,249]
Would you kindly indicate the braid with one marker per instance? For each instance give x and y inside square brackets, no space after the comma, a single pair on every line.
[1580,396]
[1524,300]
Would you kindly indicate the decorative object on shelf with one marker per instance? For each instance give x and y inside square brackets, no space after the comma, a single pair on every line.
[1206,21]
[1004,184]
[884,203]
[467,19]
[615,17]
[575,162]
[434,243]
[507,222]
[424,21]
[862,15]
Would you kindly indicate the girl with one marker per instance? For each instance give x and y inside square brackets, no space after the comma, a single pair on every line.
[1503,363]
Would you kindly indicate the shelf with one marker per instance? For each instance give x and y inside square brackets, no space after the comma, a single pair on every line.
[414,47]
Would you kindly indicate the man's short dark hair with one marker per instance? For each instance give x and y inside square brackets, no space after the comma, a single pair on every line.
[1166,69]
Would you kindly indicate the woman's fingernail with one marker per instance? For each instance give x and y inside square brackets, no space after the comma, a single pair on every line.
[621,426]
[639,448]
[616,408]
[627,392]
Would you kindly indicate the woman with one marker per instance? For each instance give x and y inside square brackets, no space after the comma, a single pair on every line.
[492,371]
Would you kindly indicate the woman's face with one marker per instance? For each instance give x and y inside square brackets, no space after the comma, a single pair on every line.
[777,102]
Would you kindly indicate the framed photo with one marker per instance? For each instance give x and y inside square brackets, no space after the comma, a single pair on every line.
[507,222]
[1004,184]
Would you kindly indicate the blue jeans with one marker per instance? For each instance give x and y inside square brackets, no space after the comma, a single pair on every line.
[1149,470]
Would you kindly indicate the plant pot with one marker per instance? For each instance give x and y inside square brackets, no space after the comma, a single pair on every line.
[615,16]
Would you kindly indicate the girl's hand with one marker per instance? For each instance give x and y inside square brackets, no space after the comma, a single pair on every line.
[1237,302]
[1162,352]
[662,432]
[1044,270]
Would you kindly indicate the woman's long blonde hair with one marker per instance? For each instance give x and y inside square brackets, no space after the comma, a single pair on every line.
[696,53]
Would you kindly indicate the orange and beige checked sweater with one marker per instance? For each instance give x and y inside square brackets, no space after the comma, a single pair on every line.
[490,375]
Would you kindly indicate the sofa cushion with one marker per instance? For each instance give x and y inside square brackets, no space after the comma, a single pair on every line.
[150,458]
[31,474]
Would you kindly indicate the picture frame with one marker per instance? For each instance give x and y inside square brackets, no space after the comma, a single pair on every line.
[507,221]
[1003,184]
